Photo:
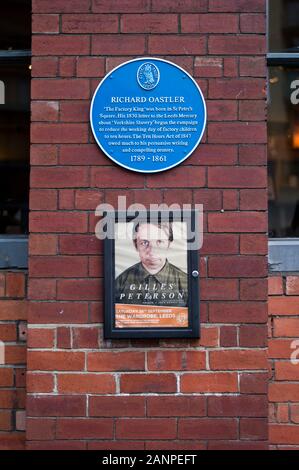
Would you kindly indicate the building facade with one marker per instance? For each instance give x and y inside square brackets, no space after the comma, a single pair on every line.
[230,389]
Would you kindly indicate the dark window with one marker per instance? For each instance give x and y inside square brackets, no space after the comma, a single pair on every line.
[15,43]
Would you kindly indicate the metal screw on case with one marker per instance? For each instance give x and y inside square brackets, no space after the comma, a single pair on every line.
[195,273]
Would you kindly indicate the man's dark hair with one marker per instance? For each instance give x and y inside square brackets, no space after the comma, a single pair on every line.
[162,225]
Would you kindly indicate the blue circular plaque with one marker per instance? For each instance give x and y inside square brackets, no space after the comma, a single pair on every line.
[148,115]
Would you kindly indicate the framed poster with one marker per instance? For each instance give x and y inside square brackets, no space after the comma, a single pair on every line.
[151,277]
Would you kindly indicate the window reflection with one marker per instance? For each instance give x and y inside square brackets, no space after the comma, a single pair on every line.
[283,147]
[283,25]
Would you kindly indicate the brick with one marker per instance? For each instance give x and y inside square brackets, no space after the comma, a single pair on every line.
[237,44]
[219,289]
[59,133]
[254,383]
[238,5]
[283,392]
[284,434]
[213,154]
[220,244]
[286,327]
[5,420]
[66,89]
[238,445]
[45,24]
[286,371]
[237,266]
[180,44]
[88,199]
[67,66]
[61,222]
[40,383]
[85,383]
[8,332]
[253,289]
[42,244]
[150,23]
[228,336]
[121,6]
[237,133]
[63,338]
[295,413]
[87,338]
[223,110]
[238,360]
[253,66]
[111,177]
[13,310]
[58,312]
[175,445]
[60,45]
[60,6]
[253,199]
[56,445]
[44,66]
[15,354]
[40,338]
[15,285]
[43,155]
[81,289]
[59,177]
[55,360]
[292,285]
[254,110]
[40,428]
[43,199]
[90,66]
[102,406]
[44,111]
[90,23]
[280,348]
[237,406]
[153,428]
[253,336]
[202,428]
[231,66]
[230,200]
[6,376]
[237,88]
[189,177]
[284,305]
[208,67]
[66,199]
[176,406]
[209,337]
[176,360]
[91,428]
[148,383]
[253,23]
[109,44]
[58,266]
[115,445]
[256,428]
[209,23]
[74,111]
[115,361]
[61,405]
[209,383]
[282,413]
[253,244]
[186,6]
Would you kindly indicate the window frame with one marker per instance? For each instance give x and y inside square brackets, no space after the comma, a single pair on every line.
[283,253]
[13,248]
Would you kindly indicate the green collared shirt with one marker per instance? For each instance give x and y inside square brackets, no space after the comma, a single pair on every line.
[137,286]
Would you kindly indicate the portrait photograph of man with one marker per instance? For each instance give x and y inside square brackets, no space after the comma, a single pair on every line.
[151,281]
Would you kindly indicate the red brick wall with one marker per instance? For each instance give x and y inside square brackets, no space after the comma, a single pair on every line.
[13,316]
[284,386]
[88,393]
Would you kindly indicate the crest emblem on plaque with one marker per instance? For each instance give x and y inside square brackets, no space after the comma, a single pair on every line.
[148,76]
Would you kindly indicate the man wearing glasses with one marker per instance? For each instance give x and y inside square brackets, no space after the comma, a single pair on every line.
[154,280]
